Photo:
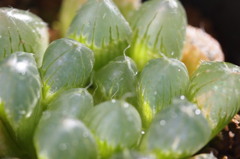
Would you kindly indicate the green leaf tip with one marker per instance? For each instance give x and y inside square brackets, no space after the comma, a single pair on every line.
[66,64]
[178,131]
[159,28]
[61,137]
[215,88]
[159,82]
[100,26]
[117,79]
[22,31]
[75,103]
[116,125]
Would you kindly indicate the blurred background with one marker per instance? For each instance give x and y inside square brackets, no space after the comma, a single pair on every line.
[220,18]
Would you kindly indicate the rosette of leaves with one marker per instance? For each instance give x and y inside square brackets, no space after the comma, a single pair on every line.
[117,79]
[61,137]
[66,64]
[178,131]
[116,125]
[20,86]
[100,26]
[216,90]
[159,28]
[160,81]
[22,31]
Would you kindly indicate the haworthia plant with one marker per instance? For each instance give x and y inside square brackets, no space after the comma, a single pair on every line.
[100,25]
[73,103]
[66,64]
[160,81]
[159,28]
[216,90]
[22,31]
[116,125]
[117,79]
[20,86]
[61,137]
[176,132]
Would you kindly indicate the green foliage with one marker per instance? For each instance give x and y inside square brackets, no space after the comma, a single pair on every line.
[158,29]
[100,26]
[115,124]
[61,137]
[66,64]
[22,31]
[117,79]
[160,81]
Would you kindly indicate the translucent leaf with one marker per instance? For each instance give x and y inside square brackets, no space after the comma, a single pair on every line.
[216,90]
[66,64]
[160,81]
[22,31]
[20,86]
[73,103]
[100,25]
[59,137]
[159,28]
[117,79]
[177,132]
[116,125]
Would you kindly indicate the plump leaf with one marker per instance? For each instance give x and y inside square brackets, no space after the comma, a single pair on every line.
[66,64]
[60,137]
[215,87]
[116,125]
[159,28]
[20,86]
[160,81]
[117,79]
[73,103]
[177,132]
[22,31]
[100,25]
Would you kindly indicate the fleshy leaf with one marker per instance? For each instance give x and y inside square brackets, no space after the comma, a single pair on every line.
[100,25]
[20,86]
[117,79]
[60,137]
[159,28]
[116,125]
[178,131]
[160,81]
[22,31]
[216,90]
[73,103]
[66,64]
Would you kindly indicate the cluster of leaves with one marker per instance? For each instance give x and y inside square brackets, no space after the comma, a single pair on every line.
[111,89]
